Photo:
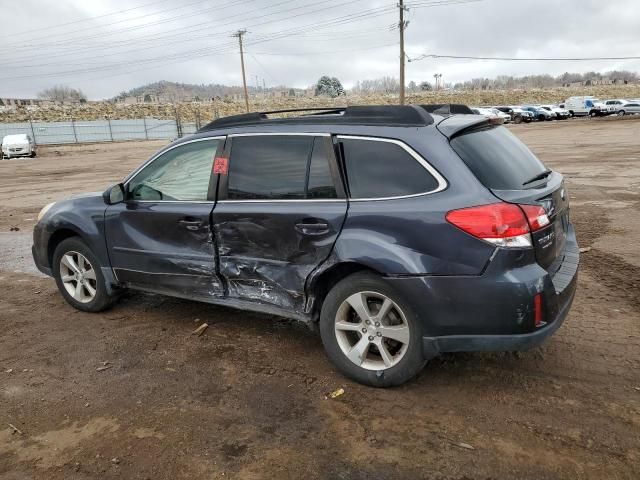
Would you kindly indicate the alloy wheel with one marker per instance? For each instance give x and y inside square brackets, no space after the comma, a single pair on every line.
[372,330]
[78,277]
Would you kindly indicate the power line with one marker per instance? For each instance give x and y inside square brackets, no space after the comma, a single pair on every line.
[181,35]
[523,59]
[83,39]
[82,20]
[259,39]
[180,57]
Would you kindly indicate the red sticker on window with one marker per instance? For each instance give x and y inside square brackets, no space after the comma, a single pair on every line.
[221,166]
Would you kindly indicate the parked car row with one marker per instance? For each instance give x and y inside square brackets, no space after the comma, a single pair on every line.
[593,107]
[573,107]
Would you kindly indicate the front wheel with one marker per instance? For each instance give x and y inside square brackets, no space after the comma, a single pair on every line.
[622,113]
[79,277]
[370,332]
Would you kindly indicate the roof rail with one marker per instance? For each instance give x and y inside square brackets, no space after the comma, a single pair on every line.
[391,115]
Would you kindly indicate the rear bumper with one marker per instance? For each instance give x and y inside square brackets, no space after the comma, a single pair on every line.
[493,311]
[432,346]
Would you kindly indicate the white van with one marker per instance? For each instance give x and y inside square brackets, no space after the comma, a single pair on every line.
[581,106]
[18,146]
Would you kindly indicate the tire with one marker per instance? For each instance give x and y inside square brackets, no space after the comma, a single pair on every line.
[622,113]
[541,118]
[593,114]
[404,358]
[33,154]
[571,114]
[517,119]
[82,298]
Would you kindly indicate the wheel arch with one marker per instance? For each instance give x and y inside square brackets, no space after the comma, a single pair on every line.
[319,285]
[57,238]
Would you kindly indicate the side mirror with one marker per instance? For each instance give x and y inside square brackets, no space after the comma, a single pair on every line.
[114,194]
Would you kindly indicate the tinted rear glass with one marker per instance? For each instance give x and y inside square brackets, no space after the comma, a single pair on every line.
[497,158]
[269,167]
[381,169]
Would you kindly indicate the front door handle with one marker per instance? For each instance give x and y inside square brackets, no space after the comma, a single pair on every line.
[190,224]
[311,227]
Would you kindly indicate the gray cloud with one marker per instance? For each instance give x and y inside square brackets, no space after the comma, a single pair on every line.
[290,42]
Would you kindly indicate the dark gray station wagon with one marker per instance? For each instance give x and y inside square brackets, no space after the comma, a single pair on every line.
[403,233]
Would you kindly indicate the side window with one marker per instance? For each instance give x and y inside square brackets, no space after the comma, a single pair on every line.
[268,167]
[320,180]
[279,167]
[379,169]
[182,173]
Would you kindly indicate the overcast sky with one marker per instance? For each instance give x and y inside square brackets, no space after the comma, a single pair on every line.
[106,46]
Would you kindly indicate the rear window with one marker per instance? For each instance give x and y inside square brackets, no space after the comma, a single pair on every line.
[497,158]
[381,169]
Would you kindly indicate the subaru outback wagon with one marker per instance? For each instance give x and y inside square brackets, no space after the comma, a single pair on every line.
[404,234]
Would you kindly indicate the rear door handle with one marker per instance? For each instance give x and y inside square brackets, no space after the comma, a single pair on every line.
[312,228]
[190,224]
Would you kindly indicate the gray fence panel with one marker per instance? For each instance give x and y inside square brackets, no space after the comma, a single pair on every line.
[14,129]
[128,130]
[189,128]
[93,131]
[54,132]
[98,130]
[162,129]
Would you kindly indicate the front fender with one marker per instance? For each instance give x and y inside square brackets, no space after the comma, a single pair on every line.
[83,217]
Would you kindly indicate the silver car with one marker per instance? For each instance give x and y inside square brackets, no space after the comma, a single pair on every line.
[630,108]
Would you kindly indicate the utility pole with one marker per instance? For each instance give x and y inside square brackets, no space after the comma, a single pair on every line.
[402,25]
[239,34]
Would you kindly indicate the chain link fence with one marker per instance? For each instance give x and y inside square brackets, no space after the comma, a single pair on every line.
[92,131]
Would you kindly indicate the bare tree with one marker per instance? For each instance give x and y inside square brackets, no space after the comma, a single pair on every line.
[377,85]
[63,93]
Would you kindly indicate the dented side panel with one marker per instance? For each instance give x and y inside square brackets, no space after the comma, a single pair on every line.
[163,244]
[264,253]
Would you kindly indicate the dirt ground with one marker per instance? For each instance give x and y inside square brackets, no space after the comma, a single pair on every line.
[247,399]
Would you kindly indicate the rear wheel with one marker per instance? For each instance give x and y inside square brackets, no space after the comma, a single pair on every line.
[541,118]
[370,333]
[79,277]
[622,113]
[517,119]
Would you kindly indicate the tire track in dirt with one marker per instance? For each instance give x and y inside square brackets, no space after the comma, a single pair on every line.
[619,276]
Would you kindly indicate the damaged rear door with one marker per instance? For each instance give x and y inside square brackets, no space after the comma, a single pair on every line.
[279,212]
[160,237]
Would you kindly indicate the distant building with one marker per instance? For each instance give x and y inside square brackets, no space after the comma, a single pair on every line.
[23,102]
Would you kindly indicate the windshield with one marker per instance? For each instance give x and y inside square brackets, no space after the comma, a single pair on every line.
[497,158]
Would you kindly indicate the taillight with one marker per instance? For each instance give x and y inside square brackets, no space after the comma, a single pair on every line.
[503,224]
[536,216]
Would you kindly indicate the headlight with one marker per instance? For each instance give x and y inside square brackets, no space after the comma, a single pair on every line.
[45,209]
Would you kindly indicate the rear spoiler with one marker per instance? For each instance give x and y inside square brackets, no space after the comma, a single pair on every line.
[458,124]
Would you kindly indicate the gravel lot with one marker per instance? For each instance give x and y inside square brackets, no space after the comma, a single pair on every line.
[247,399]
